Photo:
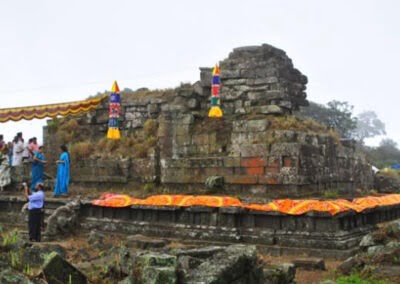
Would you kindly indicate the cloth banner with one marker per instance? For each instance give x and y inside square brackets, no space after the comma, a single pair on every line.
[50,110]
[284,206]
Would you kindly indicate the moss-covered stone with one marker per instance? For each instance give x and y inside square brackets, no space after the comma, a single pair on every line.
[11,277]
[58,270]
[152,259]
[159,275]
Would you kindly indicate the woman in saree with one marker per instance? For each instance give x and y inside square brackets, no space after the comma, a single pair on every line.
[37,167]
[62,181]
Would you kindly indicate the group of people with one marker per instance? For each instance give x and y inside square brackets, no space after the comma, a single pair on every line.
[17,153]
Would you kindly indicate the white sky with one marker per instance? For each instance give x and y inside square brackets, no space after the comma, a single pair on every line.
[56,51]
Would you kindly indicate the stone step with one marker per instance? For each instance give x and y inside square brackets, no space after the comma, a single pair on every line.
[309,263]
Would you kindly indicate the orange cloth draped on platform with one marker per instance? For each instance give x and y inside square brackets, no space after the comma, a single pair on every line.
[50,110]
[285,206]
[114,200]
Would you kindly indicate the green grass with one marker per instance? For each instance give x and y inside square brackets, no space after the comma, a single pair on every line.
[357,279]
[10,238]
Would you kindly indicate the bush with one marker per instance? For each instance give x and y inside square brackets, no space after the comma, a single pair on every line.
[148,187]
[140,150]
[81,150]
[150,128]
[295,123]
[64,136]
[331,194]
[69,125]
[11,238]
[53,124]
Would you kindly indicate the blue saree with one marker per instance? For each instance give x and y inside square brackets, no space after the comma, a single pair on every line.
[37,169]
[62,181]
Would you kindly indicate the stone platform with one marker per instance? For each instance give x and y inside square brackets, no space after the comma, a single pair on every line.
[315,234]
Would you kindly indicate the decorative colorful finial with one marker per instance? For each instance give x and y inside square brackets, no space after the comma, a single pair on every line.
[115,108]
[215,111]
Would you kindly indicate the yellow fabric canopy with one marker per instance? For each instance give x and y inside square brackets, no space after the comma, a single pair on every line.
[50,110]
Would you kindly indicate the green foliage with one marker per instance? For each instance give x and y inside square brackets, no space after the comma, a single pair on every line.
[15,259]
[148,187]
[337,115]
[386,154]
[331,194]
[28,270]
[10,238]
[53,124]
[368,125]
[356,278]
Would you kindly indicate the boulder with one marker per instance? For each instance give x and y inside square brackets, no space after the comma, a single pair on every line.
[350,264]
[64,220]
[279,273]
[215,182]
[155,268]
[367,241]
[375,250]
[9,276]
[236,263]
[204,252]
[159,275]
[154,259]
[393,229]
[36,254]
[57,270]
[386,184]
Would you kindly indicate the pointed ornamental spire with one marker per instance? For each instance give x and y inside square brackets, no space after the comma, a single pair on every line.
[115,109]
[215,111]
[115,88]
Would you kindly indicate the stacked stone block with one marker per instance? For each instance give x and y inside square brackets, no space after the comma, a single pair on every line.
[259,79]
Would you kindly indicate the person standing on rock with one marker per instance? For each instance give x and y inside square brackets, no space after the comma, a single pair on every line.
[37,167]
[35,209]
[18,149]
[62,181]
[5,176]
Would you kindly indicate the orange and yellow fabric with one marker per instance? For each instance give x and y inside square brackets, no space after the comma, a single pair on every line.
[284,206]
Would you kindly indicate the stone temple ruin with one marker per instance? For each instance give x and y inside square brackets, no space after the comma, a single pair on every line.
[258,147]
[258,151]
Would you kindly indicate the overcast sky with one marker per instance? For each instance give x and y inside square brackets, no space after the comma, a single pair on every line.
[58,51]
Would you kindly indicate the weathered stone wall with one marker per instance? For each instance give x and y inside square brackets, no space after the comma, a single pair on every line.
[259,79]
[253,155]
[313,233]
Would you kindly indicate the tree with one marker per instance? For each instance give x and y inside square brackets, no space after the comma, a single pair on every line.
[336,114]
[368,125]
[341,117]
[385,154]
